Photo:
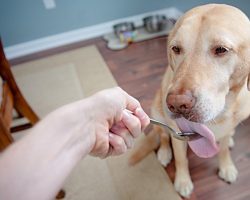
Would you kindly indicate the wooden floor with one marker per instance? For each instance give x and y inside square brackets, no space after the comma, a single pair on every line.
[138,69]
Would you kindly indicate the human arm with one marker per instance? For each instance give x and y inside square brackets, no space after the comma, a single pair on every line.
[36,166]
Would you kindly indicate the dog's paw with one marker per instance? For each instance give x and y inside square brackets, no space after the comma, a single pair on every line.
[184,187]
[228,173]
[164,155]
[231,142]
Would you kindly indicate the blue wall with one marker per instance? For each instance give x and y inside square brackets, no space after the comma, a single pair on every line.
[26,20]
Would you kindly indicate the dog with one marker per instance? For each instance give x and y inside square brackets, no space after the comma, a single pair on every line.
[205,89]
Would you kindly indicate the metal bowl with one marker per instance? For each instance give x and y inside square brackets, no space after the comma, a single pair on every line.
[126,32]
[155,23]
[123,27]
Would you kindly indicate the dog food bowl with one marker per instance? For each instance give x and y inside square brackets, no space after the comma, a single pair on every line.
[125,32]
[155,23]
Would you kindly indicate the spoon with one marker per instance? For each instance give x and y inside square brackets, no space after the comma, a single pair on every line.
[184,136]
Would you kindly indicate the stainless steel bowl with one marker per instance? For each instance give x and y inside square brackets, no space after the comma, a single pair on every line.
[123,27]
[155,23]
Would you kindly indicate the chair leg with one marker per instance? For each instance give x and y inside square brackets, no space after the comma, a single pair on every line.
[5,137]
[18,115]
[24,109]
[61,194]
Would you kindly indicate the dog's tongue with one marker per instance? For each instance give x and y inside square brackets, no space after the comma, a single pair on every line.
[205,146]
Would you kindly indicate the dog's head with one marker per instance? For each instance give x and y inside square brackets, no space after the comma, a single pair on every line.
[209,54]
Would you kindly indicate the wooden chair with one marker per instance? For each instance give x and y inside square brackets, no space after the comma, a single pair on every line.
[12,98]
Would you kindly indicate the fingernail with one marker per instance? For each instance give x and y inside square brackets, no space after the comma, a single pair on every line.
[126,115]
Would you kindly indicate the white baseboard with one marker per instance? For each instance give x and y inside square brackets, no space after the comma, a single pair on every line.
[69,37]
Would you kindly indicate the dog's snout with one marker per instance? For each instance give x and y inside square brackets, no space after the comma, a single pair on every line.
[180,103]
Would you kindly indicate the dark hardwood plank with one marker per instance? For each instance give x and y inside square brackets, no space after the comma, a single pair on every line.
[138,69]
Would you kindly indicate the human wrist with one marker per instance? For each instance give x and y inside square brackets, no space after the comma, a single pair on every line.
[71,126]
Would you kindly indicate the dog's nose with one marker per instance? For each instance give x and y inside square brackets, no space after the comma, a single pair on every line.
[180,103]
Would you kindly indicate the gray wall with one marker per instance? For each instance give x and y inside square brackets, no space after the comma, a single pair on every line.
[26,20]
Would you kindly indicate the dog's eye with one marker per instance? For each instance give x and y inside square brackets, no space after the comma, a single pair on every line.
[220,51]
[176,49]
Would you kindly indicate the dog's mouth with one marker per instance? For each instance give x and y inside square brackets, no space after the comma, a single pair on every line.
[193,120]
[205,146]
[188,116]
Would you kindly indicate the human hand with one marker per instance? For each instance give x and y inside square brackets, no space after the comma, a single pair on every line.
[100,125]
[115,127]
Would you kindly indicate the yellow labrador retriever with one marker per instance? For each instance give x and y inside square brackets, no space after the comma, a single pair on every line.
[205,89]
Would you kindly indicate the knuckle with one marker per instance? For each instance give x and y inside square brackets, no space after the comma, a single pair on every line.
[121,147]
[137,102]
[119,89]
[120,142]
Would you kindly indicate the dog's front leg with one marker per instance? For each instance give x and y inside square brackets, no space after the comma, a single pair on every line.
[164,153]
[182,183]
[227,169]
